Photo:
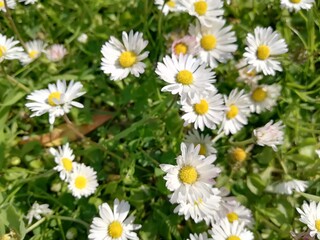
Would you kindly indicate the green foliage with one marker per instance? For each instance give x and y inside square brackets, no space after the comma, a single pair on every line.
[146,128]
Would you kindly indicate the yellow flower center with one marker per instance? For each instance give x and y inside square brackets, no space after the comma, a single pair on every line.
[232,217]
[188,174]
[67,164]
[127,59]
[203,149]
[115,229]
[3,49]
[263,52]
[1,6]
[198,202]
[295,1]
[233,111]
[259,95]
[180,48]
[202,107]
[251,74]
[54,97]
[200,7]
[239,154]
[185,77]
[171,4]
[208,42]
[317,225]
[33,54]
[233,237]
[80,182]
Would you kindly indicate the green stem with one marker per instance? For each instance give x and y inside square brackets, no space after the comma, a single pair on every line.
[245,142]
[70,219]
[13,25]
[36,224]
[14,82]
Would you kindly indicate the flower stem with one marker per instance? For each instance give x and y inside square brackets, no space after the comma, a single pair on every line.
[13,25]
[245,142]
[14,82]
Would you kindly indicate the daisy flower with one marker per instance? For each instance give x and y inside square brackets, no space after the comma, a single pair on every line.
[64,159]
[82,181]
[270,134]
[264,97]
[237,111]
[296,5]
[225,230]
[204,110]
[121,59]
[262,47]
[207,11]
[288,187]
[37,210]
[56,52]
[10,4]
[8,49]
[34,50]
[26,2]
[249,78]
[185,74]
[216,42]
[200,236]
[200,209]
[168,6]
[205,142]
[234,211]
[192,177]
[114,224]
[57,100]
[310,215]
[186,45]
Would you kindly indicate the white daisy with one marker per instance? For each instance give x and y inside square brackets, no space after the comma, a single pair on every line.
[234,211]
[185,74]
[225,230]
[296,5]
[270,134]
[26,2]
[56,52]
[34,50]
[168,6]
[200,209]
[249,78]
[264,97]
[288,187]
[82,181]
[237,111]
[8,49]
[192,177]
[10,4]
[83,38]
[64,159]
[204,110]
[121,59]
[262,48]
[205,142]
[57,100]
[207,11]
[112,225]
[185,45]
[310,215]
[200,236]
[216,42]
[37,210]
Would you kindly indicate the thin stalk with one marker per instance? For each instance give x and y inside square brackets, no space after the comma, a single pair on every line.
[14,82]
[248,141]
[13,25]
